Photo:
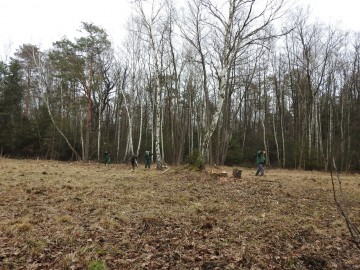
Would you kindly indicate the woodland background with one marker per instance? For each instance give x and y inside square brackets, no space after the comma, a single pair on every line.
[205,80]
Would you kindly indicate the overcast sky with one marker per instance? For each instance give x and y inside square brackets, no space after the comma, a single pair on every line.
[41,22]
[344,13]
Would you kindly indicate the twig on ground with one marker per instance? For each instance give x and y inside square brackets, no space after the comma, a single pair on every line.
[340,202]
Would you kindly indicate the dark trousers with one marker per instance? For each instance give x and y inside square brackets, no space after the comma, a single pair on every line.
[134,164]
[260,169]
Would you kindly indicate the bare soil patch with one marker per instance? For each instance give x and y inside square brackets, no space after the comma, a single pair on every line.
[58,215]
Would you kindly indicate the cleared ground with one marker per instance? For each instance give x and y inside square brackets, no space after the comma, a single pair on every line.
[58,215]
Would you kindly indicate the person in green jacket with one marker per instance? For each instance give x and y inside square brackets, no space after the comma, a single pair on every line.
[260,161]
[148,159]
[106,158]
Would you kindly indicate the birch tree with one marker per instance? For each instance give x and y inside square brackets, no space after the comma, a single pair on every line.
[235,27]
[153,32]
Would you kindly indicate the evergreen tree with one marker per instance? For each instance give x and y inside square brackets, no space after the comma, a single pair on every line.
[10,106]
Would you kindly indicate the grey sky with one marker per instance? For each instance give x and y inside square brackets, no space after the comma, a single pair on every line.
[41,22]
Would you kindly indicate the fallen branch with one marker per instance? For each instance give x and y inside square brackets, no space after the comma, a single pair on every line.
[165,171]
[342,206]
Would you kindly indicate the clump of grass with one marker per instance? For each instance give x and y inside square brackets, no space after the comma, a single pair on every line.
[337,223]
[65,219]
[119,253]
[120,219]
[23,227]
[151,219]
[251,220]
[213,209]
[100,251]
[198,207]
[97,265]
[36,247]
[108,223]
[67,261]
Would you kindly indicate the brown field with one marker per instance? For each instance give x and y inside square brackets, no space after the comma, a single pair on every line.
[58,215]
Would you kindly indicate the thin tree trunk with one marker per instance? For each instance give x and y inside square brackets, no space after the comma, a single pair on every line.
[220,100]
[99,135]
[162,133]
[140,129]
[158,128]
[276,139]
[118,133]
[82,133]
[58,129]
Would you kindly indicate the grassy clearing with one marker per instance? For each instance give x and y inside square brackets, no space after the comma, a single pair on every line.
[57,215]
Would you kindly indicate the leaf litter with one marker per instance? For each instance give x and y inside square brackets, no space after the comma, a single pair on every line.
[61,215]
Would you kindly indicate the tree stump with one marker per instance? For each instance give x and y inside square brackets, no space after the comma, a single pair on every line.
[237,173]
[161,166]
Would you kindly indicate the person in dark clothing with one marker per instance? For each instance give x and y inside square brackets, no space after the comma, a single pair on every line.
[148,159]
[107,158]
[134,161]
[260,161]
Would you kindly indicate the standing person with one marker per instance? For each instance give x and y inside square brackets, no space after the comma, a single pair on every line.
[133,161]
[260,161]
[147,159]
[107,158]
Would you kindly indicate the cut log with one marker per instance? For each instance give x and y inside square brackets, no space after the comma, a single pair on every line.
[219,174]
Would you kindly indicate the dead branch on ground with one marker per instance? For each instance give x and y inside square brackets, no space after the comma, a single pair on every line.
[341,204]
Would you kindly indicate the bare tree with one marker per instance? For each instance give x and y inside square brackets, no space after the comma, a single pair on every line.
[242,25]
[155,38]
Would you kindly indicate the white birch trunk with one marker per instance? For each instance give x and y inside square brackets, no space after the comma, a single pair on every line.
[99,135]
[130,145]
[342,138]
[220,101]
[283,140]
[310,121]
[149,25]
[321,146]
[348,141]
[152,135]
[158,127]
[82,134]
[118,137]
[162,133]
[264,136]
[140,129]
[276,139]
[316,129]
[330,131]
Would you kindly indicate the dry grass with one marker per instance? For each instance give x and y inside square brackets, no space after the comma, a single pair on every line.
[57,215]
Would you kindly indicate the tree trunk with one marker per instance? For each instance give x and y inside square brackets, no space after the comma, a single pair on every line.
[140,129]
[220,100]
[99,135]
[61,133]
[276,139]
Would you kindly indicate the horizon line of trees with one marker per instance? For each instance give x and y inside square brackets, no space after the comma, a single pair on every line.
[204,84]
